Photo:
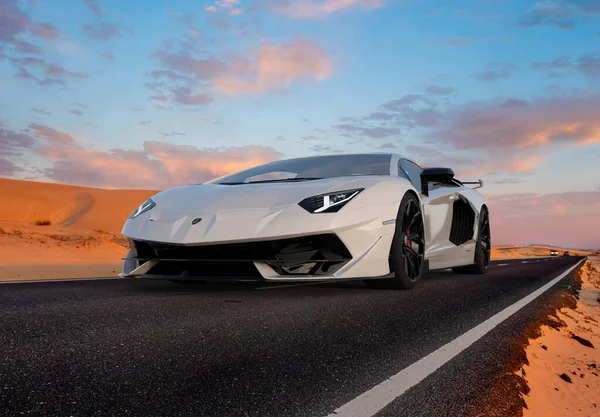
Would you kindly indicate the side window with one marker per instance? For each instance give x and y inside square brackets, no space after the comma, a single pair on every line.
[412,171]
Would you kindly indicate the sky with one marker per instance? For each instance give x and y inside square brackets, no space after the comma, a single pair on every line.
[155,94]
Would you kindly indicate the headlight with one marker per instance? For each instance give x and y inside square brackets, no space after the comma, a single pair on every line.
[330,202]
[144,207]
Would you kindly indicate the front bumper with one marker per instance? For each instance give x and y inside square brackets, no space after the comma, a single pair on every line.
[284,244]
[315,255]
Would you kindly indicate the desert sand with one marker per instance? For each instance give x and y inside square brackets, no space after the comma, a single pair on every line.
[78,231]
[533,251]
[78,234]
[563,373]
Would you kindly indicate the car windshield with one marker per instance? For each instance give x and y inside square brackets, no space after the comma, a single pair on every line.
[318,167]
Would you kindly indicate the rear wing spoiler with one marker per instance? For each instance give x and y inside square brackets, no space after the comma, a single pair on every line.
[479,183]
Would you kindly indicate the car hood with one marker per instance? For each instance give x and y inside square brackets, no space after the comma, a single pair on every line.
[250,196]
[252,211]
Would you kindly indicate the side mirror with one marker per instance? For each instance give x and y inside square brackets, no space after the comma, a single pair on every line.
[429,175]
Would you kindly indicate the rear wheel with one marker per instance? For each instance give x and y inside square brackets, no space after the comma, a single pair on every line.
[407,255]
[483,248]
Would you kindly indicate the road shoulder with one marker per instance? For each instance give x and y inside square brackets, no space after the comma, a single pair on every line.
[562,369]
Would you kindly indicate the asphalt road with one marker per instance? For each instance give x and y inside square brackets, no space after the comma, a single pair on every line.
[153,348]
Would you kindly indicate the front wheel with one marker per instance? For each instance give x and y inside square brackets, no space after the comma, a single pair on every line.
[407,255]
[483,248]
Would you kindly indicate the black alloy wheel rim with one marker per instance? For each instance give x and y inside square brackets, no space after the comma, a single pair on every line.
[486,240]
[413,242]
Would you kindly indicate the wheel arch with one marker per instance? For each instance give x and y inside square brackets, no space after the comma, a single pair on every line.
[415,194]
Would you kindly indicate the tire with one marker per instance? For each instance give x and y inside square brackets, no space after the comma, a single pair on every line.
[407,254]
[482,250]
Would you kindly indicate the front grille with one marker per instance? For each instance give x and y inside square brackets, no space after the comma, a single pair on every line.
[319,254]
[324,247]
[204,269]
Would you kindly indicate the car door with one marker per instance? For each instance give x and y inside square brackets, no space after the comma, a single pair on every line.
[436,208]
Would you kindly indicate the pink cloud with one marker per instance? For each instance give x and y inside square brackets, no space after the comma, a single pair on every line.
[44,30]
[157,165]
[276,67]
[229,6]
[14,24]
[470,165]
[518,124]
[493,136]
[314,8]
[51,135]
[526,163]
[568,219]
[191,78]
[184,95]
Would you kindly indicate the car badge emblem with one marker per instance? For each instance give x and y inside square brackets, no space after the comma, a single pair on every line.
[196,220]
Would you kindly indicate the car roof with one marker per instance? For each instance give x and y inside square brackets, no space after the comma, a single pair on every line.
[393,155]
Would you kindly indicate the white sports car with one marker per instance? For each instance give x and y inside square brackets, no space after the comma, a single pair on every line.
[376,216]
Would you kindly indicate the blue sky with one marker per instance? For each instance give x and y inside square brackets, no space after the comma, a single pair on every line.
[152,94]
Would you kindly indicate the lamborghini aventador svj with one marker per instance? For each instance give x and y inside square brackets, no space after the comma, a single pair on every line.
[380,217]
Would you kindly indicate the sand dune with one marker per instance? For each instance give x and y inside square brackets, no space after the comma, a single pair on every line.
[83,238]
[71,207]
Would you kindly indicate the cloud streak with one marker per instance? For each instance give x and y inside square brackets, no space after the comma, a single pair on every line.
[189,77]
[302,9]
[44,73]
[493,136]
[157,165]
[519,124]
[587,64]
[560,14]
[496,71]
[15,25]
[104,31]
[94,7]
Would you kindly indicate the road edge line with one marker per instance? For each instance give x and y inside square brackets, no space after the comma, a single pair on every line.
[378,397]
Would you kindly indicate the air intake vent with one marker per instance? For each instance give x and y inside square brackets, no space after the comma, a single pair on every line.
[463,222]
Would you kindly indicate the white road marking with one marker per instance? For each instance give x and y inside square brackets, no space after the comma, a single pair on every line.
[524,262]
[61,280]
[375,399]
[502,264]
